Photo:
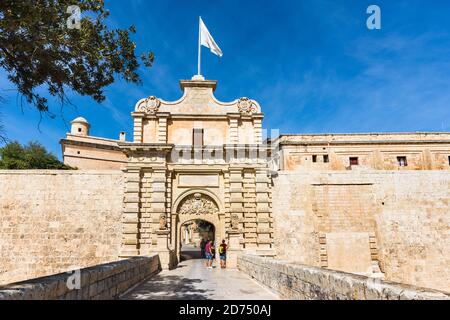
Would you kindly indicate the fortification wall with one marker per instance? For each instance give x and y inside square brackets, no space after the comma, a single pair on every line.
[53,220]
[356,221]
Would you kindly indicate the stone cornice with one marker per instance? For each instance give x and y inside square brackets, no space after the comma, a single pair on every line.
[66,142]
[362,142]
[131,146]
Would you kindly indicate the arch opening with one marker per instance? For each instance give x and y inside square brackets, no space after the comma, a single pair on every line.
[197,215]
[194,234]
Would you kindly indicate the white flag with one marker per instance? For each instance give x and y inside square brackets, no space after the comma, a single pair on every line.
[207,40]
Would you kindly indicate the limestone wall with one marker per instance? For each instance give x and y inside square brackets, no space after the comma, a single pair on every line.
[102,282]
[364,221]
[293,281]
[52,220]
[380,151]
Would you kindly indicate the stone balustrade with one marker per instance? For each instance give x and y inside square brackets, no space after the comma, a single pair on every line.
[294,281]
[102,282]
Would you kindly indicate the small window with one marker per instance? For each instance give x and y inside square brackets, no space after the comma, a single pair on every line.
[326,158]
[198,138]
[354,161]
[402,161]
[79,129]
[78,152]
[314,158]
[449,160]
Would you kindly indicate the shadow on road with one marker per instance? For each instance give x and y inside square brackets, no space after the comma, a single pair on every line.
[169,288]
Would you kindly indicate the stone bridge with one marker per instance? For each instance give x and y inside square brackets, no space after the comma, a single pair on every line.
[256,278]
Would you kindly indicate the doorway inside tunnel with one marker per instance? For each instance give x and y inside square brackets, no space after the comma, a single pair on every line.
[194,235]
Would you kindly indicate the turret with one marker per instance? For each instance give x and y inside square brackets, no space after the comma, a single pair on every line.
[80,127]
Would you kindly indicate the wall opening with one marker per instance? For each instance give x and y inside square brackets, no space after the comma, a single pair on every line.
[194,235]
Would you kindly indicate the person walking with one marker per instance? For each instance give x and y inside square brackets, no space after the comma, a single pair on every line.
[223,254]
[213,254]
[208,254]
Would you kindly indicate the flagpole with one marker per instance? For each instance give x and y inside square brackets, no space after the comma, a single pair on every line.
[199,46]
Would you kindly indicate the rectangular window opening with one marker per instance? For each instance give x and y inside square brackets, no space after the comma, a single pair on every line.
[354,161]
[326,158]
[198,138]
[314,158]
[402,161]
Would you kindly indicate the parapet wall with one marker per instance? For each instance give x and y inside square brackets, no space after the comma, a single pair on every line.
[102,282]
[52,221]
[301,282]
[396,222]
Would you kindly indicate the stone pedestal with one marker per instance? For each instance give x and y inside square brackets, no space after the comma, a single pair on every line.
[163,250]
[234,248]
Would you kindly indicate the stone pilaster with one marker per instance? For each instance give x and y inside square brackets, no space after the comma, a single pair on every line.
[236,198]
[264,210]
[257,127]
[233,130]
[158,202]
[162,127]
[169,205]
[130,217]
[250,224]
[146,215]
[138,129]
[227,205]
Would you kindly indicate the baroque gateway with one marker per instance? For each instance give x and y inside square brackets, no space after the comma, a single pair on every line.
[193,159]
[375,205]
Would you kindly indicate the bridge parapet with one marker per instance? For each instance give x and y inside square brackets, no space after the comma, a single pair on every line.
[300,282]
[102,282]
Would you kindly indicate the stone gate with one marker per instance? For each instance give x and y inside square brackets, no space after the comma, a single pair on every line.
[196,158]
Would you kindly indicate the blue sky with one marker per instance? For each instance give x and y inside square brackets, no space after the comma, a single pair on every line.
[313,65]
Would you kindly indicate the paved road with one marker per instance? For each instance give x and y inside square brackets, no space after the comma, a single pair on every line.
[193,281]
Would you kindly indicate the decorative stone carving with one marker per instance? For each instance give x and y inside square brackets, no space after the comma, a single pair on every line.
[234,221]
[198,204]
[162,222]
[149,105]
[246,106]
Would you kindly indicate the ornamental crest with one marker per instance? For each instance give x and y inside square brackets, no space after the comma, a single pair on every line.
[149,105]
[198,204]
[246,106]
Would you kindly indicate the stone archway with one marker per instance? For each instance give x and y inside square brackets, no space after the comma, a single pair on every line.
[198,230]
[197,205]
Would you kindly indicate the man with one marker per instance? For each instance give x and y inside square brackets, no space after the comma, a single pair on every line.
[223,254]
